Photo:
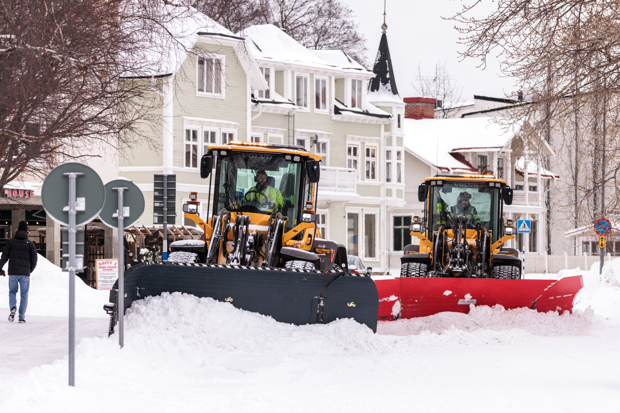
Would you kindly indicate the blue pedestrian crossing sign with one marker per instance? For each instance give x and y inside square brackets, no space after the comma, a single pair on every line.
[524,226]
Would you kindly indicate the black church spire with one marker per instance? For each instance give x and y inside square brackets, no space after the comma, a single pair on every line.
[384,73]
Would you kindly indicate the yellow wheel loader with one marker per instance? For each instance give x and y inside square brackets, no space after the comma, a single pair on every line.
[261,249]
[460,259]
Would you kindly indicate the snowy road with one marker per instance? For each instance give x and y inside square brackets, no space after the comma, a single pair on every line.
[195,355]
[41,340]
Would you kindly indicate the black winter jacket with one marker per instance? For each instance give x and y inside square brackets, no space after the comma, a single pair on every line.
[21,254]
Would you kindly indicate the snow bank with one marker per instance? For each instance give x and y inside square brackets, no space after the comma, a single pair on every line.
[49,293]
[197,354]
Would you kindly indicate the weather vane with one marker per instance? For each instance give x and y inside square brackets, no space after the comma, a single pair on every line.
[384,26]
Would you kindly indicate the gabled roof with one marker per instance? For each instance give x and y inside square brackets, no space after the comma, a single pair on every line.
[532,169]
[382,88]
[272,43]
[439,142]
[165,46]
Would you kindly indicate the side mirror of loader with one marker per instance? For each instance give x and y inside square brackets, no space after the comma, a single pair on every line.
[206,165]
[507,195]
[314,170]
[422,192]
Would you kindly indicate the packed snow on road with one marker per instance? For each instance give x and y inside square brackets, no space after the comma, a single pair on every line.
[183,353]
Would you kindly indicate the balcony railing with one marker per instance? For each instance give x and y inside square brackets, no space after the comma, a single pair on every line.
[518,198]
[338,179]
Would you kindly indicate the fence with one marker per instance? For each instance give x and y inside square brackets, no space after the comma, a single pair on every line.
[544,264]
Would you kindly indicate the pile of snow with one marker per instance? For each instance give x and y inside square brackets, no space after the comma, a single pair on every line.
[49,293]
[197,354]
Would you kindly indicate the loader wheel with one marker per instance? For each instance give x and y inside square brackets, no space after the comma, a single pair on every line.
[299,265]
[506,272]
[414,270]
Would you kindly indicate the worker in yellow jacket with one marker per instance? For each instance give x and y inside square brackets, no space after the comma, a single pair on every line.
[265,194]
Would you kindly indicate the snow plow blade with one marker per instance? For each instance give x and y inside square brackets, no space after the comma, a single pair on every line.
[420,297]
[289,296]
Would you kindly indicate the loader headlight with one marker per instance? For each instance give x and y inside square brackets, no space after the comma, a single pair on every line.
[308,217]
[415,227]
[308,205]
[190,208]
[509,230]
[193,196]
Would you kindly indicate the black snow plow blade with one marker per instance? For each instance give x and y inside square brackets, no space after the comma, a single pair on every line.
[289,296]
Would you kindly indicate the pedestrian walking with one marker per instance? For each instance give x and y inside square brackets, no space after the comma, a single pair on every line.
[22,256]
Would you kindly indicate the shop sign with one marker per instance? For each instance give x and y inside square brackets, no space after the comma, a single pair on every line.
[19,193]
[107,273]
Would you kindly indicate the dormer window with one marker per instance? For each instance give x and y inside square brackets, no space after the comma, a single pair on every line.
[356,93]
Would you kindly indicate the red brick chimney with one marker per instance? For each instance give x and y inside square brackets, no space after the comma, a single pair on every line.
[420,108]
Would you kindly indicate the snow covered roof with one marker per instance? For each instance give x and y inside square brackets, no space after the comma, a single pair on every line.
[438,142]
[371,110]
[340,59]
[269,42]
[382,88]
[165,46]
[532,169]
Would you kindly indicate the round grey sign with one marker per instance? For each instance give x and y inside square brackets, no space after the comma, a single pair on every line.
[133,203]
[88,190]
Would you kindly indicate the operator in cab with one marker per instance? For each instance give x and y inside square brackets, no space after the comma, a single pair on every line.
[264,193]
[462,208]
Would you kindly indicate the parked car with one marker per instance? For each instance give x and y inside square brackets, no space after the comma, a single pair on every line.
[356,266]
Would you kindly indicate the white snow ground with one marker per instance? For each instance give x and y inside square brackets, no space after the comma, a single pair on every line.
[195,355]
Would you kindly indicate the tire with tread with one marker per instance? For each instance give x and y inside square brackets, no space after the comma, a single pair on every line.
[299,265]
[414,270]
[506,272]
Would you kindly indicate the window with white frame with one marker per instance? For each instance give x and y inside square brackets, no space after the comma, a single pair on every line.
[322,223]
[320,93]
[371,163]
[191,148]
[301,142]
[256,138]
[353,234]
[482,163]
[352,157]
[321,148]
[210,74]
[388,166]
[398,117]
[209,137]
[227,137]
[399,167]
[370,236]
[267,73]
[500,168]
[301,91]
[356,93]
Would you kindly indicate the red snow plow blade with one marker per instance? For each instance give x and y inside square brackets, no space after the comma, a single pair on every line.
[420,297]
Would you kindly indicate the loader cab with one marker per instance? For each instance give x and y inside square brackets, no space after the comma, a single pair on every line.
[263,180]
[478,201]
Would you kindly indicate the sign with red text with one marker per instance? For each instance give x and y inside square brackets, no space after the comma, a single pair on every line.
[18,193]
[107,273]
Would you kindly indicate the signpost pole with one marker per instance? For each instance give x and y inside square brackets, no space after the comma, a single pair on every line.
[121,268]
[165,245]
[72,265]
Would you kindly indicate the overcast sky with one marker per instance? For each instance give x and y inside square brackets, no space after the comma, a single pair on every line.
[417,35]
